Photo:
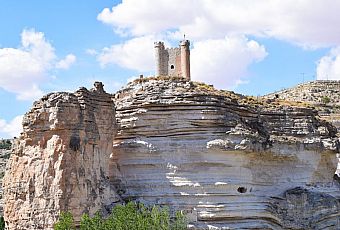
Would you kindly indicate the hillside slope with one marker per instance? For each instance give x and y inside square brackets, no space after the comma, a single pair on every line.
[322,94]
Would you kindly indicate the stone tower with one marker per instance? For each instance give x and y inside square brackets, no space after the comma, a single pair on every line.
[173,61]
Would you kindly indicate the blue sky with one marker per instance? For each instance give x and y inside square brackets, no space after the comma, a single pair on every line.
[251,47]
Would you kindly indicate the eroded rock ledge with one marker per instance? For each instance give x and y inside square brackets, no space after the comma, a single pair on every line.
[223,158]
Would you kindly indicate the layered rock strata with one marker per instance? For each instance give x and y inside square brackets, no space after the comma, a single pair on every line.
[60,162]
[227,161]
[323,95]
[228,165]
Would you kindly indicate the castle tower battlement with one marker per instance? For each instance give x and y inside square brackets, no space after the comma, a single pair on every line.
[173,61]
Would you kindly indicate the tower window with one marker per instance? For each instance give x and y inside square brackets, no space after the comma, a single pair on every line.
[172,67]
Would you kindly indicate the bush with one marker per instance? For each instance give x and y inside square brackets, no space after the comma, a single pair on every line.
[88,223]
[2,174]
[126,217]
[65,222]
[2,223]
[325,100]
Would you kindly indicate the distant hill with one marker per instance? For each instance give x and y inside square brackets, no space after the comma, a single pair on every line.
[324,95]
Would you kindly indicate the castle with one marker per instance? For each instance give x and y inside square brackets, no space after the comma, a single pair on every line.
[173,61]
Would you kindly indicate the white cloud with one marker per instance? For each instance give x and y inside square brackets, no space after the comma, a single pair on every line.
[66,62]
[137,54]
[91,52]
[23,69]
[223,62]
[219,29]
[152,16]
[310,23]
[35,44]
[328,67]
[11,129]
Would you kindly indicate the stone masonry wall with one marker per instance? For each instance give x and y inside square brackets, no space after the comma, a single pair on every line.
[174,55]
[169,61]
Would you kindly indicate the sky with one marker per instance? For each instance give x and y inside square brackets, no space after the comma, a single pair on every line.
[252,47]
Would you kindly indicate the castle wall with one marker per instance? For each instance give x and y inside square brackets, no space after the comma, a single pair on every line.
[164,63]
[185,59]
[173,61]
[161,59]
[158,59]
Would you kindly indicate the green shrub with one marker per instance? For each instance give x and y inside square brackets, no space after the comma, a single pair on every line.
[88,223]
[2,223]
[126,217]
[181,221]
[2,174]
[325,100]
[65,222]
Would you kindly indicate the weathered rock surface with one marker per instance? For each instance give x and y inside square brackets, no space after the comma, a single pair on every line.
[226,162]
[4,156]
[323,95]
[60,161]
[313,92]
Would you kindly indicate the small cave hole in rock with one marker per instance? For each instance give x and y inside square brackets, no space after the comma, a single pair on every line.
[172,67]
[74,143]
[242,189]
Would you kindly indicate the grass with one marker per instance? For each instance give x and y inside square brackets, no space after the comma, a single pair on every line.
[158,78]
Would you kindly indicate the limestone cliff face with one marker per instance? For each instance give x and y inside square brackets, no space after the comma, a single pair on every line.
[323,95]
[61,160]
[227,163]
[225,159]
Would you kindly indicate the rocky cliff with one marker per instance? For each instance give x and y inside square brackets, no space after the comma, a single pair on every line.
[5,152]
[225,159]
[322,95]
[60,161]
